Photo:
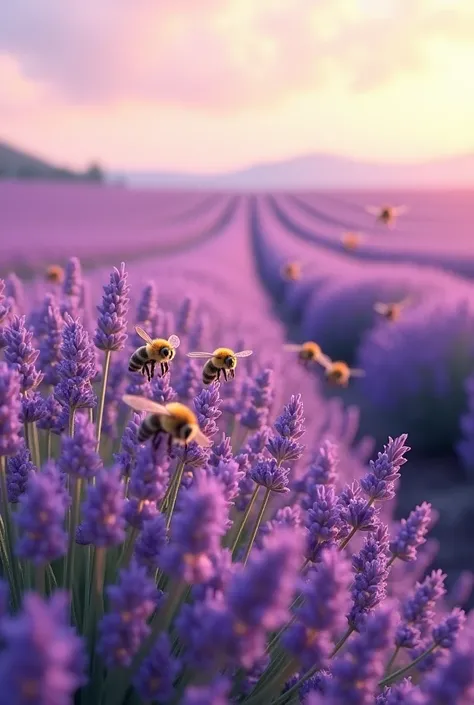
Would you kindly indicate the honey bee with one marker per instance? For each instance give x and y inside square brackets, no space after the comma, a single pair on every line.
[291,271]
[339,372]
[307,352]
[157,350]
[174,420]
[54,274]
[221,360]
[391,311]
[351,240]
[386,214]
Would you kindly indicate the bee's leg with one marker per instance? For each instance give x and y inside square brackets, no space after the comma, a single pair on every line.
[224,372]
[162,368]
[166,366]
[232,374]
[152,371]
[143,370]
[156,441]
[218,375]
[148,373]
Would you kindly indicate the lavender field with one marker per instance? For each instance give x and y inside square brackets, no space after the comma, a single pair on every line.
[314,553]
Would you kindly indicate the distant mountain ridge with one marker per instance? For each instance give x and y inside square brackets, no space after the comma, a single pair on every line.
[17,164]
[321,171]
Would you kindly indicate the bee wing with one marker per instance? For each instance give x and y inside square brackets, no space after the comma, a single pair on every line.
[244,353]
[292,347]
[324,361]
[202,440]
[142,404]
[399,210]
[174,341]
[381,308]
[198,354]
[405,302]
[143,334]
[374,210]
[357,373]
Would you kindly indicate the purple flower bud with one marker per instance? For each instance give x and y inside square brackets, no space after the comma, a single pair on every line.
[185,314]
[379,483]
[197,527]
[223,571]
[417,610]
[111,332]
[270,475]
[368,590]
[189,381]
[147,306]
[157,673]
[150,477]
[261,400]
[126,458]
[399,694]
[214,694]
[103,509]
[124,628]
[32,407]
[322,615]
[284,449]
[55,417]
[221,451]
[290,423]
[289,517]
[207,405]
[21,355]
[446,632]
[323,520]
[161,390]
[257,443]
[358,515]
[59,483]
[72,288]
[77,367]
[14,291]
[78,455]
[40,520]
[10,424]
[50,343]
[375,546]
[412,532]
[151,542]
[43,660]
[19,469]
[452,681]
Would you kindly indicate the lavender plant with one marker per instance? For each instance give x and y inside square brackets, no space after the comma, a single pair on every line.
[257,572]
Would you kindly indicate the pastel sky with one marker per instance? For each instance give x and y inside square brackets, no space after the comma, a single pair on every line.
[210,85]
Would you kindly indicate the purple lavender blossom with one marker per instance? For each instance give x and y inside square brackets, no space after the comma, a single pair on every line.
[40,521]
[14,292]
[158,671]
[321,617]
[151,542]
[214,694]
[59,483]
[78,456]
[368,590]
[19,469]
[43,660]
[72,288]
[261,400]
[185,314]
[223,571]
[124,628]
[257,443]
[221,451]
[54,417]
[376,545]
[150,477]
[139,511]
[207,405]
[32,407]
[412,532]
[359,515]
[77,367]
[111,331]
[322,469]
[290,423]
[230,475]
[103,509]
[50,343]
[452,681]
[289,516]
[270,475]
[417,611]
[189,381]
[21,355]
[10,424]
[323,520]
[379,483]
[357,672]
[126,458]
[445,633]
[161,390]
[147,306]
[398,694]
[197,527]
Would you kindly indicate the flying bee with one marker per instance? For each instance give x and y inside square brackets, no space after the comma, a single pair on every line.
[221,360]
[291,271]
[386,214]
[54,274]
[392,311]
[351,240]
[157,350]
[307,352]
[174,420]
[339,372]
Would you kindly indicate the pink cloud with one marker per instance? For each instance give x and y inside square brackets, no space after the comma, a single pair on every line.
[218,54]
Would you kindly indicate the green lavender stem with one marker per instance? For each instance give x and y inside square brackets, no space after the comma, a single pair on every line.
[49,439]
[392,661]
[245,517]
[34,441]
[256,526]
[174,493]
[40,579]
[100,408]
[403,671]
[75,511]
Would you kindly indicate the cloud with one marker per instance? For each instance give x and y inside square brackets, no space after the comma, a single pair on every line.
[221,54]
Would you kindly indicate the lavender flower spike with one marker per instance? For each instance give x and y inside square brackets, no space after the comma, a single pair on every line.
[103,510]
[19,469]
[78,455]
[154,680]
[214,694]
[77,367]
[270,475]
[412,532]
[43,660]
[111,332]
[21,355]
[10,406]
[378,484]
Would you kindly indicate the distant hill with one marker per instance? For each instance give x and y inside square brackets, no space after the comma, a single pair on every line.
[16,164]
[321,171]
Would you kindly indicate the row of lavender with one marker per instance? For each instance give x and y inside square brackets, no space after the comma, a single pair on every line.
[259,571]
[419,370]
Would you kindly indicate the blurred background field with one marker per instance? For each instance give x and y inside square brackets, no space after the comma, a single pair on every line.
[162,183]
